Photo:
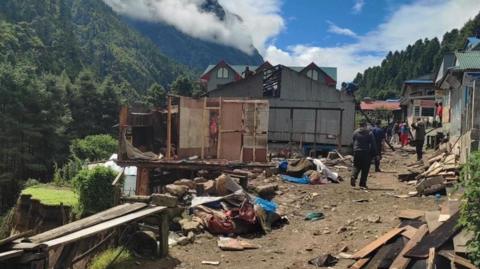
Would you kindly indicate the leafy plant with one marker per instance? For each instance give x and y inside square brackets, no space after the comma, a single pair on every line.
[94,188]
[94,147]
[470,209]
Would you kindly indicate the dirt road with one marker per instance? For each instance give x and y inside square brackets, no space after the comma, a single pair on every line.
[348,222]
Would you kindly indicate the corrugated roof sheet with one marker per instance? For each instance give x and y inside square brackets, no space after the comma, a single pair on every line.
[468,60]
[380,105]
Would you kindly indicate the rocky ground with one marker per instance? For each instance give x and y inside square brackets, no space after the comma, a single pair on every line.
[353,218]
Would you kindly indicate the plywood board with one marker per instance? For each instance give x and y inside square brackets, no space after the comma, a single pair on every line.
[409,232]
[437,238]
[360,263]
[231,118]
[401,262]
[460,241]
[377,243]
[410,214]
[431,217]
[191,128]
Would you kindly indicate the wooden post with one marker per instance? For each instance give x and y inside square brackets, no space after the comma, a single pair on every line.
[163,231]
[431,259]
[254,131]
[291,129]
[315,135]
[339,146]
[219,124]
[202,155]
[169,128]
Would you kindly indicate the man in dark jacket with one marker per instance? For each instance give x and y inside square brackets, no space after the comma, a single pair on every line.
[419,128]
[379,134]
[364,149]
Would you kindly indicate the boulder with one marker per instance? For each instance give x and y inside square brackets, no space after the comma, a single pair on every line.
[176,190]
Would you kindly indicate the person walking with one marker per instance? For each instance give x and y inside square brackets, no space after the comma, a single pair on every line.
[395,134]
[364,148]
[404,132]
[419,128]
[379,134]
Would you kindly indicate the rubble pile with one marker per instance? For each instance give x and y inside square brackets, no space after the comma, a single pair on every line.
[441,170]
[430,239]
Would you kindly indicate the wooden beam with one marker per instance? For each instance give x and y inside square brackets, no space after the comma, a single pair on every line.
[456,259]
[435,239]
[431,259]
[377,243]
[15,237]
[360,263]
[409,232]
[10,254]
[169,128]
[87,232]
[402,262]
[87,222]
[118,177]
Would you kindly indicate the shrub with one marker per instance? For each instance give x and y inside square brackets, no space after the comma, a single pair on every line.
[30,182]
[94,188]
[470,209]
[94,147]
[109,259]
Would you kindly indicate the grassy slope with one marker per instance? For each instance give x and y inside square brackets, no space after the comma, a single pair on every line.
[52,195]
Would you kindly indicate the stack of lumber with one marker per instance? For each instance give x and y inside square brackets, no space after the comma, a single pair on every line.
[422,240]
[440,170]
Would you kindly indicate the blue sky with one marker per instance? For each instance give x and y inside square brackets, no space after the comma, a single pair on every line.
[351,35]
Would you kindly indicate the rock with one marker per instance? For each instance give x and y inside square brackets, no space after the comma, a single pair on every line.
[190,226]
[374,219]
[176,190]
[266,190]
[183,240]
[200,180]
[191,236]
[326,231]
[185,182]
[208,186]
[164,200]
[341,229]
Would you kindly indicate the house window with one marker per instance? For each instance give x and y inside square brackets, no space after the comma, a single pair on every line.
[428,111]
[313,74]
[222,72]
[416,111]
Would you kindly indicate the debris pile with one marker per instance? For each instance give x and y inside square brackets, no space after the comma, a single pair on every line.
[422,240]
[432,177]
[307,171]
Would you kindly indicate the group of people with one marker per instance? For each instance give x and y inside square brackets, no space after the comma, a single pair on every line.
[368,145]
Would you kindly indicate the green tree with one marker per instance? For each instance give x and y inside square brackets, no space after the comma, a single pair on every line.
[93,147]
[156,96]
[94,188]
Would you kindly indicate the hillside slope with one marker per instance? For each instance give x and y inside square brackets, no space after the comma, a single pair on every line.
[421,58]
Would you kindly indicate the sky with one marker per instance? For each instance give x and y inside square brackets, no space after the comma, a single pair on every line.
[351,35]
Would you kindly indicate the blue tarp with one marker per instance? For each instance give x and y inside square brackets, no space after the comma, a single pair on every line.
[299,180]
[268,206]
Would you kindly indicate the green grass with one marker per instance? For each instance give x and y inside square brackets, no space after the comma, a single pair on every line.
[101,261]
[52,195]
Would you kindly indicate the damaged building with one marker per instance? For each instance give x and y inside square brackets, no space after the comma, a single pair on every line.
[305,106]
[192,135]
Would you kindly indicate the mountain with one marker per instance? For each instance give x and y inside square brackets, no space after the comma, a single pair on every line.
[194,52]
[72,35]
[421,58]
[191,51]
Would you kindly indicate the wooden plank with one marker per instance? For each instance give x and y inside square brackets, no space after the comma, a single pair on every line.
[456,259]
[360,263]
[435,239]
[402,262]
[409,232]
[460,241]
[108,214]
[385,255]
[164,231]
[118,177]
[14,237]
[10,254]
[80,234]
[377,243]
[431,217]
[411,214]
[431,259]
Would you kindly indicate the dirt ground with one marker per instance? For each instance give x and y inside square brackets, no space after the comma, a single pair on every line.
[345,224]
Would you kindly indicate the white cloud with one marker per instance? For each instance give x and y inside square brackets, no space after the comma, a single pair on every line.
[358,6]
[408,23]
[333,28]
[257,21]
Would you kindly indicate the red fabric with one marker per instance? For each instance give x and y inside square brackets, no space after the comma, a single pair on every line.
[404,139]
[440,111]
[219,226]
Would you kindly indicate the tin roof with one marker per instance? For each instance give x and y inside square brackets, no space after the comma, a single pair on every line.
[468,60]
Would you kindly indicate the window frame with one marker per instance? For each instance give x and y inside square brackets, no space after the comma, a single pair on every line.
[223,73]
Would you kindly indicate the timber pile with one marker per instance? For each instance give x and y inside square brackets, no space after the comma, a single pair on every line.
[439,171]
[420,241]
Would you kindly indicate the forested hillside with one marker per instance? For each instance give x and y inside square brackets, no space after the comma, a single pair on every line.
[191,51]
[423,57]
[65,69]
